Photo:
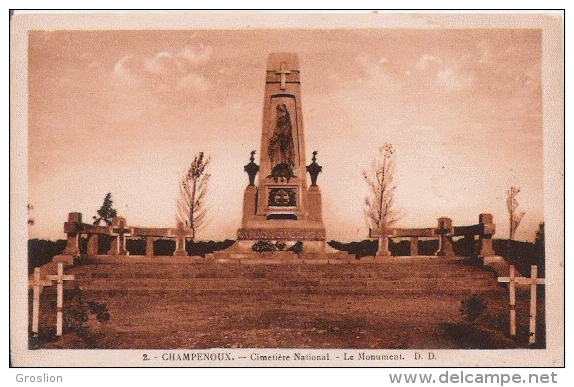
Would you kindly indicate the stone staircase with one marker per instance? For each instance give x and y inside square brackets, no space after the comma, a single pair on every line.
[397,276]
[197,303]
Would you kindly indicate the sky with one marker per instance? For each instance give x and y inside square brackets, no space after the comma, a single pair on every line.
[126,111]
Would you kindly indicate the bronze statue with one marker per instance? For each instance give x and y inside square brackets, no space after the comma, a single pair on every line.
[281,148]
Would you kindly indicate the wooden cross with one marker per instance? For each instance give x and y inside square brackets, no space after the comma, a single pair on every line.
[533,281]
[60,278]
[283,72]
[38,286]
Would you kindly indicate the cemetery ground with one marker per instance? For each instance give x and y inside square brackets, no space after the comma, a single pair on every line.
[399,304]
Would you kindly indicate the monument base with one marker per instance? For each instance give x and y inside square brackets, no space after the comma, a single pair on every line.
[383,255]
[286,251]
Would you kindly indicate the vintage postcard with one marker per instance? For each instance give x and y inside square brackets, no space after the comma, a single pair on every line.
[252,189]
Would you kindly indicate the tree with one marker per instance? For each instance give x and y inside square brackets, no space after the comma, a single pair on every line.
[540,250]
[31,220]
[106,211]
[380,209]
[192,190]
[514,216]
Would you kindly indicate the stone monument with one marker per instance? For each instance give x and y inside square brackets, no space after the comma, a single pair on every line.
[281,207]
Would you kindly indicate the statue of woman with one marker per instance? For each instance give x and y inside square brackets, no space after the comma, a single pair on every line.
[281,148]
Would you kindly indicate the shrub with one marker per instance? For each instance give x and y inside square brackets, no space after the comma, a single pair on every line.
[280,245]
[262,246]
[77,311]
[100,310]
[297,248]
[472,307]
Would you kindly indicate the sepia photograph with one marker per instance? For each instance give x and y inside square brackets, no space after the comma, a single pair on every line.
[255,189]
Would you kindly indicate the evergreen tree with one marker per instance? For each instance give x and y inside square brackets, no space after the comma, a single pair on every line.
[106,212]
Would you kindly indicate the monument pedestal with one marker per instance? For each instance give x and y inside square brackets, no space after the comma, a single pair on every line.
[383,250]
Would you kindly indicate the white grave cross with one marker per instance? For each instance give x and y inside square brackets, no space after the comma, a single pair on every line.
[60,278]
[533,281]
[38,284]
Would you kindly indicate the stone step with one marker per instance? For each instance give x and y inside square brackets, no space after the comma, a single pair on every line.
[296,291]
[263,285]
[259,271]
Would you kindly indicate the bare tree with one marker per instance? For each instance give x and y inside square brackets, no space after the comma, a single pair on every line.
[192,190]
[514,216]
[380,209]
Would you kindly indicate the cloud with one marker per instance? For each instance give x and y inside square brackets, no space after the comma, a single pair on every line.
[427,61]
[375,68]
[165,71]
[196,55]
[127,70]
[188,59]
[442,73]
[120,67]
[453,79]
[160,64]
[193,83]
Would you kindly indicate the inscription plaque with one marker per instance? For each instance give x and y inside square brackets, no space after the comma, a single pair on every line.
[282,197]
[280,234]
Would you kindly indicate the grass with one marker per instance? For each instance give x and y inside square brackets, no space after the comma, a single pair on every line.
[388,305]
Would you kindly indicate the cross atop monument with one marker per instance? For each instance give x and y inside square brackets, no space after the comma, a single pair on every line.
[283,72]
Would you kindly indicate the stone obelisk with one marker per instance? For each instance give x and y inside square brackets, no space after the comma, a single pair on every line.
[282,207]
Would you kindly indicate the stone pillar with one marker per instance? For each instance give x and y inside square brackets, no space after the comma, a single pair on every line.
[249,204]
[93,244]
[120,230]
[72,228]
[486,249]
[180,241]
[149,246]
[383,250]
[444,228]
[314,204]
[488,229]
[414,246]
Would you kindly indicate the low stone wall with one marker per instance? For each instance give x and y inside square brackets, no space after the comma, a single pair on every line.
[444,232]
[119,230]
